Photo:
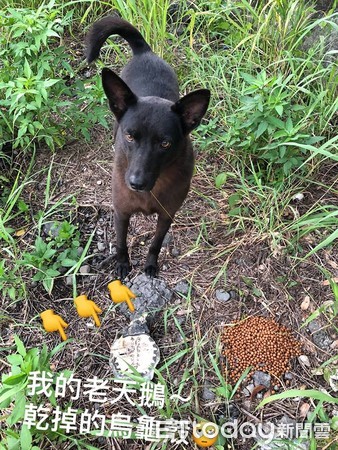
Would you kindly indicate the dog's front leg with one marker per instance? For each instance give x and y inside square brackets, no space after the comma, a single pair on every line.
[163,225]
[121,222]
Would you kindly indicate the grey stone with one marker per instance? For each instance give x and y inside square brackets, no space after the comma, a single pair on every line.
[51,229]
[182,287]
[288,376]
[175,252]
[69,280]
[167,240]
[101,246]
[207,393]
[222,296]
[152,295]
[80,251]
[319,336]
[136,326]
[85,269]
[261,379]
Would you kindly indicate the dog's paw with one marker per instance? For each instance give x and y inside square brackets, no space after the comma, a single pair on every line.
[122,270]
[150,270]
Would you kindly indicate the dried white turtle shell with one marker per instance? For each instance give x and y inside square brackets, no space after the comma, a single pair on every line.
[140,352]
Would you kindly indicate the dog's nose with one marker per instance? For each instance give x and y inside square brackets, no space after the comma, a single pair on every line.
[136,183]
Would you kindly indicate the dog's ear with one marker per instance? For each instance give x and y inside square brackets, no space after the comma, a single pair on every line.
[191,108]
[118,93]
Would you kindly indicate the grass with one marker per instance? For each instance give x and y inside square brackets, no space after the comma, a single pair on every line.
[269,136]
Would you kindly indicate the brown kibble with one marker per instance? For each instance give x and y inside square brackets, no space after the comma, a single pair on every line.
[260,343]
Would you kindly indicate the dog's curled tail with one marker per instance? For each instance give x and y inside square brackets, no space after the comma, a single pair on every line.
[109,25]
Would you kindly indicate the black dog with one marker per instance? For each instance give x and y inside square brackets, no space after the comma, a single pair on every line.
[153,154]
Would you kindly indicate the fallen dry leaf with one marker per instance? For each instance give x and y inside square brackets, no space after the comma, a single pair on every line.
[327,282]
[305,303]
[303,410]
[20,233]
[334,344]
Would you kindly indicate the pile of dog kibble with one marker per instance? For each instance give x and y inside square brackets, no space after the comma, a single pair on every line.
[259,343]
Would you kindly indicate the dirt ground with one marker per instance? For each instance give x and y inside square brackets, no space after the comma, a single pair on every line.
[202,250]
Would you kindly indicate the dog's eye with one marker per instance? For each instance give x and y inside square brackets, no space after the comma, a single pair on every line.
[165,144]
[129,137]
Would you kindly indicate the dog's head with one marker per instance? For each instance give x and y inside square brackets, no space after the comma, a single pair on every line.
[152,131]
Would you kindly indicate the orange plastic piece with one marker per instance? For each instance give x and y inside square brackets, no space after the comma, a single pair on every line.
[120,293]
[87,308]
[52,322]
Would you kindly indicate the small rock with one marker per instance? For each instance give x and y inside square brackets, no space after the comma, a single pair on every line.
[175,252]
[298,197]
[79,251]
[182,287]
[319,336]
[167,240]
[152,295]
[288,376]
[69,280]
[51,229]
[261,379]
[99,182]
[222,296]
[85,269]
[101,246]
[135,327]
[304,360]
[207,393]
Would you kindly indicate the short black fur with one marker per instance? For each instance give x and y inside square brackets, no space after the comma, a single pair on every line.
[153,153]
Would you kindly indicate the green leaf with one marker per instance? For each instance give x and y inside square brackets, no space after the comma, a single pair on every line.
[334,423]
[12,380]
[20,346]
[26,69]
[15,359]
[234,199]
[19,409]
[261,129]
[9,393]
[220,180]
[52,272]
[276,122]
[25,438]
[329,240]
[279,109]
[248,78]
[308,393]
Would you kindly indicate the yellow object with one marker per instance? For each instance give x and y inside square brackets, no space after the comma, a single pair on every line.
[53,322]
[205,434]
[120,293]
[87,308]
